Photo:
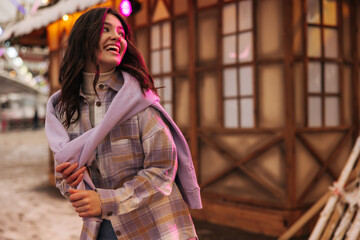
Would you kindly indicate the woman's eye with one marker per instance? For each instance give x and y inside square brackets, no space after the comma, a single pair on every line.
[121,34]
[106,29]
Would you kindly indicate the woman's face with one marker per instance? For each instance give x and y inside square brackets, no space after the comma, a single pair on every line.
[112,44]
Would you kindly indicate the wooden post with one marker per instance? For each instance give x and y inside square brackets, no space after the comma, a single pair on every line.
[333,222]
[193,87]
[328,209]
[306,217]
[344,224]
[328,197]
[289,110]
[354,230]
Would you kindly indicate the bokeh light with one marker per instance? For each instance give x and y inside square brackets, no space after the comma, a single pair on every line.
[125,8]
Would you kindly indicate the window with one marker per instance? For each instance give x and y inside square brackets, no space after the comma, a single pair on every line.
[161,65]
[323,88]
[237,59]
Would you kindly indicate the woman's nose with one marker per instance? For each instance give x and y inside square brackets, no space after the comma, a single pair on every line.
[115,36]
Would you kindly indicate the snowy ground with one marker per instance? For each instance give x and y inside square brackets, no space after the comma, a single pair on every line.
[29,207]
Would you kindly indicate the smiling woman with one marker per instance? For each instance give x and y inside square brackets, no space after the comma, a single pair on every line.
[116,150]
[112,45]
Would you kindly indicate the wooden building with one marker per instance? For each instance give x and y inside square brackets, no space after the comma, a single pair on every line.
[266,92]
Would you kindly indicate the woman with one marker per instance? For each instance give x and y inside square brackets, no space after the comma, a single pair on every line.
[117,152]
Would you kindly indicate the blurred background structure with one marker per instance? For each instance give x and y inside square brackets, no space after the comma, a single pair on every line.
[266,91]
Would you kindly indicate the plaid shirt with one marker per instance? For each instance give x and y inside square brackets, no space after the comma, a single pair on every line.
[134,173]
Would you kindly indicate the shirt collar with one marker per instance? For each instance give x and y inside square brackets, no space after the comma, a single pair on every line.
[116,82]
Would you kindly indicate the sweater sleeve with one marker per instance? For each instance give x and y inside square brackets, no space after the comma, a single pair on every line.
[156,178]
[61,183]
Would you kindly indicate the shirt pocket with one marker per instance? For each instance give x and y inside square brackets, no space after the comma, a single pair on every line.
[126,147]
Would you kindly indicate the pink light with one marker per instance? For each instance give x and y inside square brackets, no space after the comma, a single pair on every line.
[245,54]
[35,7]
[232,55]
[125,8]
[2,51]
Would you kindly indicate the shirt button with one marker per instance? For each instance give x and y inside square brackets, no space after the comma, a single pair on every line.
[118,233]
[98,104]
[101,86]
[109,214]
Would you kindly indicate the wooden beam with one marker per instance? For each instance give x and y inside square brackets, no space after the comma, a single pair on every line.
[273,203]
[289,93]
[31,41]
[255,64]
[275,191]
[193,105]
[323,130]
[340,184]
[257,152]
[305,60]
[35,38]
[306,217]
[356,66]
[237,131]
[220,82]
[322,55]
[340,76]
[333,221]
[316,155]
[250,218]
[325,166]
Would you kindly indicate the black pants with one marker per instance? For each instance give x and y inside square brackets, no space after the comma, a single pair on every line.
[106,231]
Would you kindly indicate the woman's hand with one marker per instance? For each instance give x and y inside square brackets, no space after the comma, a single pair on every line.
[67,170]
[85,202]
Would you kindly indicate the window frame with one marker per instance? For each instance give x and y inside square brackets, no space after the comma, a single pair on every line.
[239,64]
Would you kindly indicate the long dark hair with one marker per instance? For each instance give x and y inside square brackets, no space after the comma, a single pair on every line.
[83,44]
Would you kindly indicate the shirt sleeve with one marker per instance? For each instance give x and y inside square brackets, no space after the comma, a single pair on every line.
[156,178]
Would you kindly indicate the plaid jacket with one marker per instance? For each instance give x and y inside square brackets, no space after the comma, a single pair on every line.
[134,175]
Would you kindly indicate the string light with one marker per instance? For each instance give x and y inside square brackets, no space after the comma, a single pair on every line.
[12,73]
[65,17]
[11,52]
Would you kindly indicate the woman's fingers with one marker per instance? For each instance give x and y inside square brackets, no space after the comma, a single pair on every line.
[83,208]
[77,181]
[60,168]
[85,202]
[69,170]
[79,203]
[75,175]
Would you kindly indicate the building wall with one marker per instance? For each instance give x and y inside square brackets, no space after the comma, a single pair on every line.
[264,90]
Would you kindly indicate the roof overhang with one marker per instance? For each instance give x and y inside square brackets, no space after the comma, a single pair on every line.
[9,84]
[45,16]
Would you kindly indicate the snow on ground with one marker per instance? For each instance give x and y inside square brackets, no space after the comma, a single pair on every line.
[29,207]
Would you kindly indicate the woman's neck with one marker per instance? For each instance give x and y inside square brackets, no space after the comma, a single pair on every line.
[89,80]
[91,68]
